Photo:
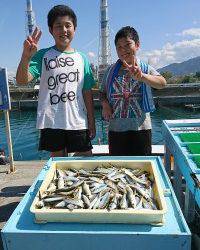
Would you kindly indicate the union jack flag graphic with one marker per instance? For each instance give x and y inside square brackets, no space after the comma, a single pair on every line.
[125,98]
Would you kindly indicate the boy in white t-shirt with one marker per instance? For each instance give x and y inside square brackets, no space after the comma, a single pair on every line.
[65,114]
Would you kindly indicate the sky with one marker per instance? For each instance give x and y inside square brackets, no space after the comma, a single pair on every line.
[169,30]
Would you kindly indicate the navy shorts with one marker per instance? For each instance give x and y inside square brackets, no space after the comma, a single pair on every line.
[53,140]
[130,143]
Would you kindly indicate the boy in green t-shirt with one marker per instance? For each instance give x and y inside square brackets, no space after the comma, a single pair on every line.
[65,114]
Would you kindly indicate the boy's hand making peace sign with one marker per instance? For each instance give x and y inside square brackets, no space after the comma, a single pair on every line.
[31,44]
[23,75]
[134,69]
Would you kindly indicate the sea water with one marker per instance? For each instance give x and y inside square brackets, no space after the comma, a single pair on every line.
[25,136]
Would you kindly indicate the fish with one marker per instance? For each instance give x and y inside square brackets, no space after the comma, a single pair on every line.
[86,201]
[105,187]
[86,189]
[131,196]
[60,204]
[61,183]
[123,202]
[104,200]
[113,203]
[53,199]
[75,202]
[40,204]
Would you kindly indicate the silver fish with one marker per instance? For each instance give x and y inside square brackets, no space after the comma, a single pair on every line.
[86,201]
[53,199]
[104,200]
[107,187]
[61,204]
[51,188]
[86,189]
[93,201]
[134,178]
[61,183]
[123,202]
[131,196]
[60,173]
[75,202]
[141,191]
[40,204]
[113,203]
[70,173]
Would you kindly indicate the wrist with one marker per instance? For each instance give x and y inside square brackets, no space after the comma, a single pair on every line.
[91,124]
[25,59]
[105,103]
[91,119]
[143,77]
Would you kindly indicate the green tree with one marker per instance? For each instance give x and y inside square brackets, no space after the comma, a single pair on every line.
[167,75]
[197,74]
[188,79]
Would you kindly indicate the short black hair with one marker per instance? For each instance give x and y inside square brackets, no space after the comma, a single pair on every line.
[59,11]
[127,31]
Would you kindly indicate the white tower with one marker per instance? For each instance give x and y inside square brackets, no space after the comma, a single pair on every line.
[104,43]
[30,17]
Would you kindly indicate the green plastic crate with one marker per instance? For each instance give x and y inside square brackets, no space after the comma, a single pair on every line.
[194,148]
[190,137]
[197,160]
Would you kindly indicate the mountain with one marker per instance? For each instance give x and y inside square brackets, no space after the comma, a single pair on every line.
[183,68]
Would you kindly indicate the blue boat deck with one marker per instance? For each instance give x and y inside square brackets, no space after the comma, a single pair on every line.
[21,230]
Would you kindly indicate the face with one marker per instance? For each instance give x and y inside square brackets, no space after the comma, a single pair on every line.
[63,32]
[126,48]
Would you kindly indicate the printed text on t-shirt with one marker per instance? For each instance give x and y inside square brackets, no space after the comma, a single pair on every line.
[54,80]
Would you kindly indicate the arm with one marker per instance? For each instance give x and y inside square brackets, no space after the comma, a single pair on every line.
[106,108]
[88,98]
[23,75]
[155,81]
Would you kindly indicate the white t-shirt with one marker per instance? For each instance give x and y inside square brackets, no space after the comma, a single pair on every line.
[63,77]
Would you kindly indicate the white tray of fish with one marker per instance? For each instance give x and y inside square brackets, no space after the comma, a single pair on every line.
[112,191]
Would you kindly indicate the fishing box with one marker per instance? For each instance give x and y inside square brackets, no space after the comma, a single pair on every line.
[21,231]
[142,216]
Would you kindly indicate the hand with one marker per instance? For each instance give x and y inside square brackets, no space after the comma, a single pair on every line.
[134,69]
[107,112]
[92,130]
[31,44]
